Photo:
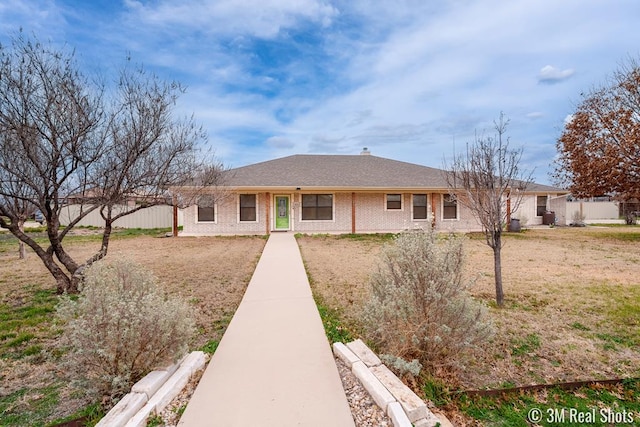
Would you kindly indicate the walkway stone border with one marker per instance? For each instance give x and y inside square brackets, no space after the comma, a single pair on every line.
[153,393]
[402,405]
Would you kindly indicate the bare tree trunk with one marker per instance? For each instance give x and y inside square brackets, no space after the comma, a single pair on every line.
[497,261]
[63,282]
[78,273]
[22,250]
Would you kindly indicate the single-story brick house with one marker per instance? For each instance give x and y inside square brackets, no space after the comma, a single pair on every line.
[341,194]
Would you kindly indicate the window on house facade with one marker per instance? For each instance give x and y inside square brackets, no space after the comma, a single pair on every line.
[394,202]
[541,205]
[420,206]
[449,207]
[317,207]
[248,207]
[206,209]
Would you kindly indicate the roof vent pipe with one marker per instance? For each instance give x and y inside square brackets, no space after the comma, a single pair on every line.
[365,152]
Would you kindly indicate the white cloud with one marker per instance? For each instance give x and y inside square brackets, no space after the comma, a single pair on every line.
[280,142]
[550,74]
[407,78]
[260,18]
[43,18]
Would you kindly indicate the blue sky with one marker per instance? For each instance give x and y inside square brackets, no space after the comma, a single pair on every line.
[407,79]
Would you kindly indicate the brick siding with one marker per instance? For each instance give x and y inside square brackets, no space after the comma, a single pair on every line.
[371,216]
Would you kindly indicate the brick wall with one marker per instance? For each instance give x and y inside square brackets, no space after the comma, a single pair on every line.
[371,216]
[227,219]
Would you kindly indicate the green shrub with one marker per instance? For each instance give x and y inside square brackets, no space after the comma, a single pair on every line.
[121,328]
[419,307]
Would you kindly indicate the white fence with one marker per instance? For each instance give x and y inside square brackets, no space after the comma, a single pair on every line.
[594,212]
[152,217]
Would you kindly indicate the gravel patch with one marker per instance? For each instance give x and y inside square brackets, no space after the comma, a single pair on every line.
[364,410]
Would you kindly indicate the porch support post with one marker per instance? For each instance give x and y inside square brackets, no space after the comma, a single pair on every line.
[175,216]
[268,213]
[353,213]
[433,210]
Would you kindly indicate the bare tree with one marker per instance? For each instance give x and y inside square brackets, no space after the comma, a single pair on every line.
[485,179]
[64,136]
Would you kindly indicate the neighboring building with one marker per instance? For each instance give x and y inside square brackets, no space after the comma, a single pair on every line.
[340,194]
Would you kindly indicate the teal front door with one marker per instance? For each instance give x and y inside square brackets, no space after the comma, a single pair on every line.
[282,212]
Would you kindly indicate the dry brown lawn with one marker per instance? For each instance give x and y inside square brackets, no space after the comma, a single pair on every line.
[572,307]
[572,310]
[210,272]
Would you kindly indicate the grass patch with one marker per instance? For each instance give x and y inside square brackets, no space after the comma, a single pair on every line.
[90,415]
[579,326]
[9,243]
[24,321]
[525,346]
[210,347]
[135,232]
[180,410]
[24,406]
[622,236]
[155,421]
[375,237]
[437,391]
[556,405]
[334,327]
[622,315]
[332,319]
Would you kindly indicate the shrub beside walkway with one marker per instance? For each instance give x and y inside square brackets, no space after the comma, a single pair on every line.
[274,365]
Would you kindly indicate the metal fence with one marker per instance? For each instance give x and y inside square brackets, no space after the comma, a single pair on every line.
[153,217]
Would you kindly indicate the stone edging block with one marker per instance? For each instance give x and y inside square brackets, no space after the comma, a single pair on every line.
[153,393]
[375,388]
[344,354]
[151,383]
[363,352]
[400,403]
[413,406]
[126,408]
[397,415]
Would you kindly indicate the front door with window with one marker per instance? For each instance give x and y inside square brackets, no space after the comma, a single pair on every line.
[282,212]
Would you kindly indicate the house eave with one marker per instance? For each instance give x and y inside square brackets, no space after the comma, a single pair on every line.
[336,189]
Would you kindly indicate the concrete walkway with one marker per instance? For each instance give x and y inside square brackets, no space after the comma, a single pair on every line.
[274,365]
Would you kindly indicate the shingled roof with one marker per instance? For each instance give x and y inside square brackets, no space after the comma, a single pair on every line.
[336,171]
[308,171]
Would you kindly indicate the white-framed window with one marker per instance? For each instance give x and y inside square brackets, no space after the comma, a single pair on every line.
[317,207]
[449,207]
[248,207]
[419,207]
[541,205]
[206,209]
[393,202]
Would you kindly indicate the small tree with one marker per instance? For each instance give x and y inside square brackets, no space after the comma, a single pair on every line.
[485,179]
[419,308]
[598,148]
[63,136]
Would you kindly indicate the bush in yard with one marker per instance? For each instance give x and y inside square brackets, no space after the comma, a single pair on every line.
[419,308]
[121,327]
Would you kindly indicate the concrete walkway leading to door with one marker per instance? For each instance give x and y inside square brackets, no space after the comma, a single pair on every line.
[274,365]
